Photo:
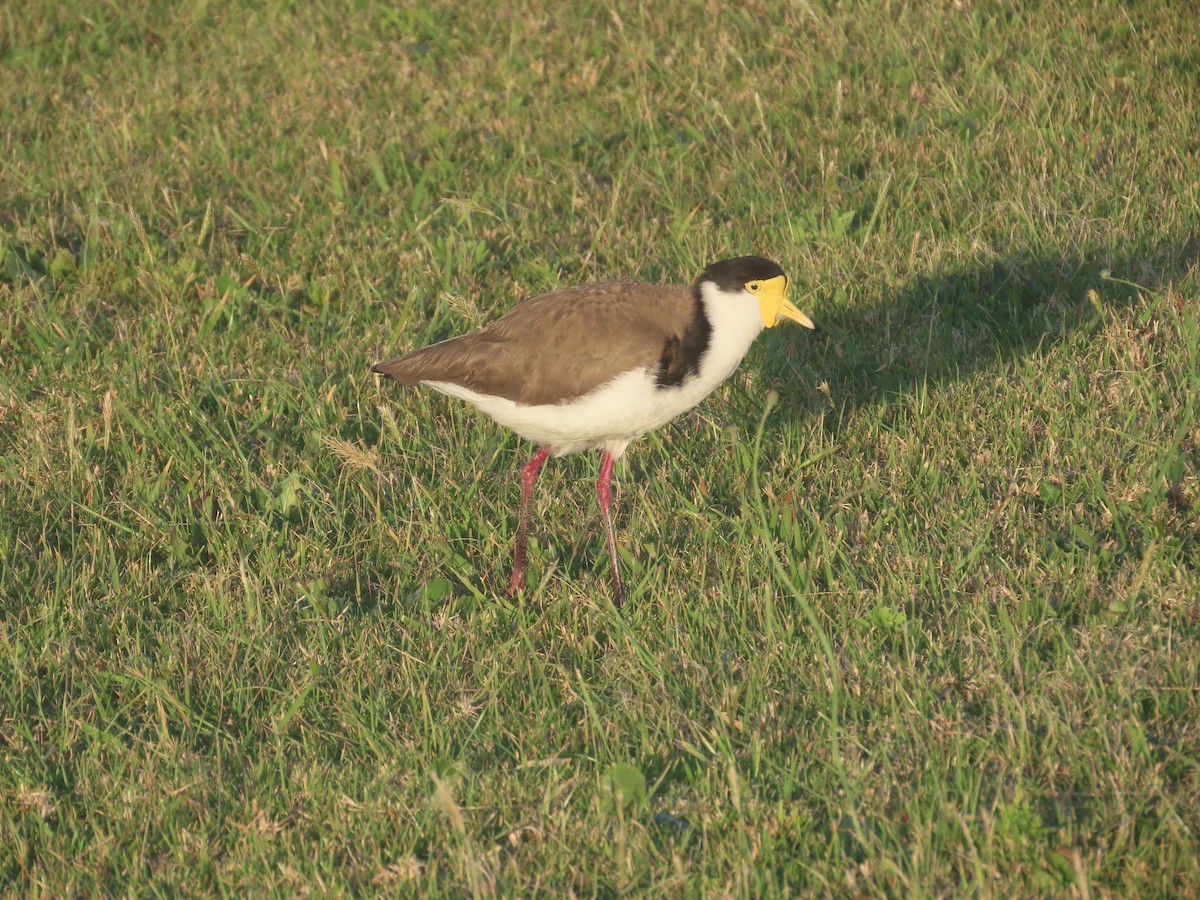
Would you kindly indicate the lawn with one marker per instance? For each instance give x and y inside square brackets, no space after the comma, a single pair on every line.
[914,601]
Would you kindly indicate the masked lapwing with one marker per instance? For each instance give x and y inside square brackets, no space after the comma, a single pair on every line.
[596,366]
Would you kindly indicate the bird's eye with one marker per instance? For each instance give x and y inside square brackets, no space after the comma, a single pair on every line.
[754,287]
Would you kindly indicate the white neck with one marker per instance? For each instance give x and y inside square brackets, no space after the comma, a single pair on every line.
[736,321]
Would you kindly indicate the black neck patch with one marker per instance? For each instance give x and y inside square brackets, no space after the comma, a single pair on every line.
[681,354]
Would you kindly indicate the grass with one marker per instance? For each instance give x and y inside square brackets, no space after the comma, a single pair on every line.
[928,629]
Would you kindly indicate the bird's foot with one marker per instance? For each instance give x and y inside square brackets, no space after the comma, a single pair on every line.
[516,583]
[618,597]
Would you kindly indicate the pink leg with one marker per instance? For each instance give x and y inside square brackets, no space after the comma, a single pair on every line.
[604,495]
[529,476]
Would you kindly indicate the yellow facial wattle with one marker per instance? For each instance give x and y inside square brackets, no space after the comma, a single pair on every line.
[774,305]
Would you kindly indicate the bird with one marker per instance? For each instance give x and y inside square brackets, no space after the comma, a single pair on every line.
[596,366]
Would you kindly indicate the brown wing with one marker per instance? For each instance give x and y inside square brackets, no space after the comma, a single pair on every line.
[560,345]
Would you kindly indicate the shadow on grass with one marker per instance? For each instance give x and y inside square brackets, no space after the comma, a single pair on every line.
[946,326]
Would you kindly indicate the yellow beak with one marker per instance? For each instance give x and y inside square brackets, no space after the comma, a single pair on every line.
[774,305]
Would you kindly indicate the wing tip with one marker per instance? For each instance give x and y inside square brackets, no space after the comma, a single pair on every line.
[387,368]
